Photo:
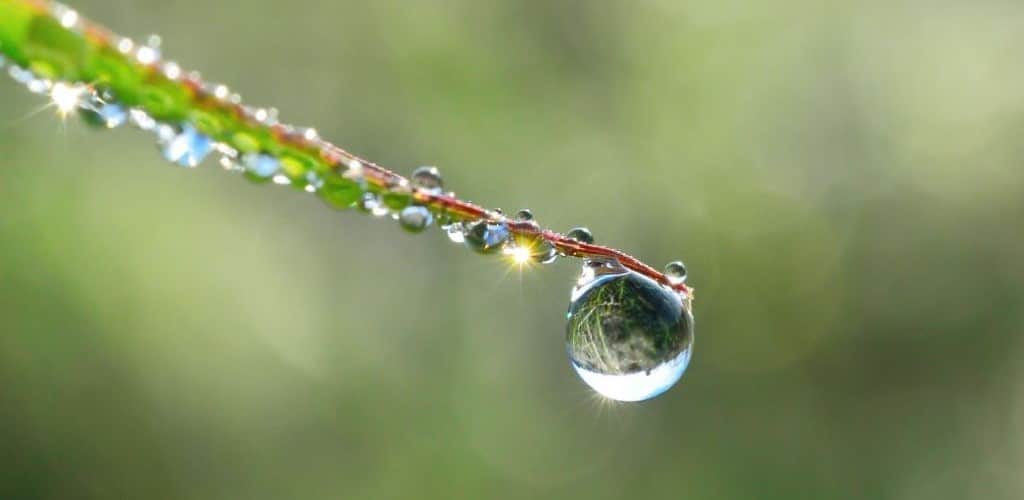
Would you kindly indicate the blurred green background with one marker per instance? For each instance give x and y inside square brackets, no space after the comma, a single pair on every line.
[843,181]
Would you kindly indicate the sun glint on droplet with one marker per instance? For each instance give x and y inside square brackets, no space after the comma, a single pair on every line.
[66,97]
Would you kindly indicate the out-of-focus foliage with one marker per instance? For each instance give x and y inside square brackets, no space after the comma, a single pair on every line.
[843,181]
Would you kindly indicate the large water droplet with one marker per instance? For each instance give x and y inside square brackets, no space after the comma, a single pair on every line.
[580,234]
[486,237]
[524,215]
[187,148]
[415,218]
[675,271]
[427,179]
[628,337]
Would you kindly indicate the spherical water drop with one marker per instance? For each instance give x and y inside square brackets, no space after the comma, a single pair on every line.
[428,179]
[675,271]
[187,148]
[524,215]
[628,337]
[415,218]
[580,234]
[486,237]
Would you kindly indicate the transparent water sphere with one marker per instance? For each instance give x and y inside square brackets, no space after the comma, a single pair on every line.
[415,218]
[628,337]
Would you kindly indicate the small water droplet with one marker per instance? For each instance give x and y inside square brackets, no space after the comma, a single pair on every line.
[141,120]
[281,180]
[524,215]
[125,45]
[628,337]
[456,232]
[675,271]
[172,70]
[428,179]
[68,17]
[150,52]
[259,164]
[415,218]
[580,234]
[102,110]
[486,237]
[544,253]
[187,148]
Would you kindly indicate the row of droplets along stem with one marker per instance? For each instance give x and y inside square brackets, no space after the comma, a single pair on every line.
[416,205]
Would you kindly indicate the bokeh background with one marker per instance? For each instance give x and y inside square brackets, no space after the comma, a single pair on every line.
[843,180]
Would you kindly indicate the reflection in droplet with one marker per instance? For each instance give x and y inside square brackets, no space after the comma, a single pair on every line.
[628,337]
[486,237]
[675,271]
[580,234]
[415,218]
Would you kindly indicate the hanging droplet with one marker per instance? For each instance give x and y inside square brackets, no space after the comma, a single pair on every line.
[101,109]
[486,237]
[456,232]
[628,337]
[260,165]
[675,271]
[187,148]
[524,215]
[428,179]
[415,218]
[544,253]
[580,234]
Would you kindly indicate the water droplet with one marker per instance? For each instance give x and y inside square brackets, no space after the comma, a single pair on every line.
[675,271]
[100,109]
[486,237]
[415,218]
[628,337]
[524,215]
[68,17]
[172,70]
[187,148]
[580,234]
[141,120]
[428,179]
[372,204]
[544,253]
[456,232]
[259,164]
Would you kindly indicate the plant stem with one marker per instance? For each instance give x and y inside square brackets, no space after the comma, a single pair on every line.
[53,41]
